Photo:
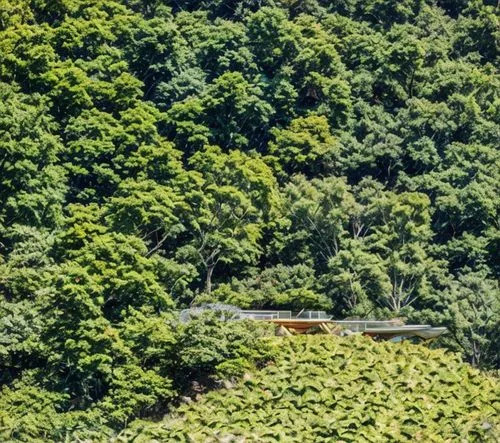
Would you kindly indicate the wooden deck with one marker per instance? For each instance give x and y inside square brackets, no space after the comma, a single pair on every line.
[290,326]
[298,325]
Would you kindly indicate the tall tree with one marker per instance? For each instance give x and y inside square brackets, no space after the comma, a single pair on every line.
[238,198]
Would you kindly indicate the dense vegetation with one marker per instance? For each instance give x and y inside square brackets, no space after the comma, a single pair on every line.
[330,389]
[340,155]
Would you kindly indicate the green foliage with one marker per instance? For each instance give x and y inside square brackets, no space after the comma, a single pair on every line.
[239,195]
[469,307]
[33,188]
[20,338]
[304,144]
[134,392]
[278,287]
[356,279]
[322,388]
[22,274]
[28,412]
[317,214]
[273,154]
[228,114]
[208,346]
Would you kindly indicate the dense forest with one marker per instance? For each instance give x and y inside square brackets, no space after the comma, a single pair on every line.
[160,154]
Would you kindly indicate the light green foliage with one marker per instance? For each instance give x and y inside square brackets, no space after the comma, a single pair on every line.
[123,272]
[32,187]
[28,412]
[327,388]
[151,337]
[160,154]
[317,214]
[239,195]
[304,144]
[134,392]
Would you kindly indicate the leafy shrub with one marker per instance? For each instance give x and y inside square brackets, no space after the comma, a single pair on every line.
[28,412]
[207,344]
[342,389]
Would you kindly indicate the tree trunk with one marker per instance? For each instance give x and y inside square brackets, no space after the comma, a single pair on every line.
[208,281]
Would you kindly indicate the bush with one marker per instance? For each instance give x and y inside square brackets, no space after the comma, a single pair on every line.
[206,343]
[342,389]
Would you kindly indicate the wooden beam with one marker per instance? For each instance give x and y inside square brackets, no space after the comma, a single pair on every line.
[282,331]
[325,328]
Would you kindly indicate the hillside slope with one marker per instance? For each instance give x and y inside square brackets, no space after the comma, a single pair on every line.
[273,154]
[342,389]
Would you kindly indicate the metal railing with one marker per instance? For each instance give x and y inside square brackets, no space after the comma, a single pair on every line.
[372,327]
[313,315]
[264,315]
[362,325]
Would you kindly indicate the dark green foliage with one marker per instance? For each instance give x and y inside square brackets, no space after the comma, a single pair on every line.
[277,287]
[20,338]
[133,369]
[207,346]
[284,154]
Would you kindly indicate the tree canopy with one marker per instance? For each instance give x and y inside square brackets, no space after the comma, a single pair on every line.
[156,155]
